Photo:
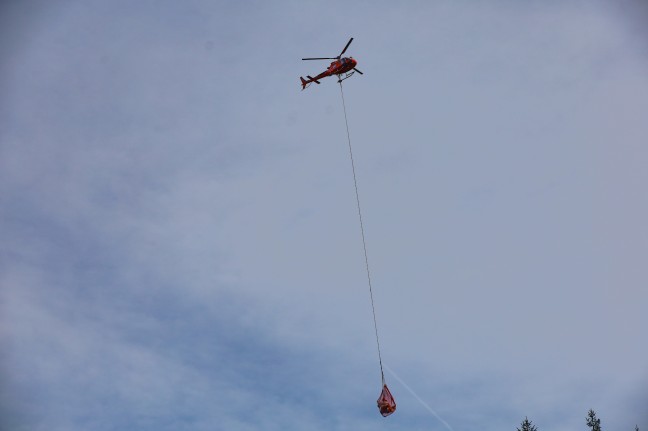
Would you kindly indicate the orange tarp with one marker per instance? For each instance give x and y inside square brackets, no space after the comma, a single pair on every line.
[386,403]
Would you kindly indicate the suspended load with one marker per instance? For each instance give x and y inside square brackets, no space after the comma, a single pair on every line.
[386,402]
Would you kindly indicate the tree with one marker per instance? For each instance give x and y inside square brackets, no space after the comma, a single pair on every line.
[527,425]
[592,421]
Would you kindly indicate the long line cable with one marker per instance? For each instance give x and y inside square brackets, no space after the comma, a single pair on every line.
[364,243]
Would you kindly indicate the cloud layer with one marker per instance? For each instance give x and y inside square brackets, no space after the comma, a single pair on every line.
[180,247]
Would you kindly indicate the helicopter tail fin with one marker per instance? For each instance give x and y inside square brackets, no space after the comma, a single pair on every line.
[304,83]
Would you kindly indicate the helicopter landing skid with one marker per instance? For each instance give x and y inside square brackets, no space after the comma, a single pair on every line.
[346,76]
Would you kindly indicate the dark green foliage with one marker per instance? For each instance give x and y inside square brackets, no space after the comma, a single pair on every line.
[592,421]
[527,425]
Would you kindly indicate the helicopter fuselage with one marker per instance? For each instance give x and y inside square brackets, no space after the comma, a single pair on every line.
[338,67]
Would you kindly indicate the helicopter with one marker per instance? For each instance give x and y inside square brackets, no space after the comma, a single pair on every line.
[341,66]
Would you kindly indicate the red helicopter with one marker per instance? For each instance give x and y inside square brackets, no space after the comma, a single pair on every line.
[341,66]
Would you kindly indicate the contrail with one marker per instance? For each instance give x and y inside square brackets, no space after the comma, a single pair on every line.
[447,425]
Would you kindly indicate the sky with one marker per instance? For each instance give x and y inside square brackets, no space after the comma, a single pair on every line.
[179,240]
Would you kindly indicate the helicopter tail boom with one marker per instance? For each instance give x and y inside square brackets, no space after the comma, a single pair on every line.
[305,83]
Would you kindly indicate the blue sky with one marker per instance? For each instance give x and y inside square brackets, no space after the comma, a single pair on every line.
[180,246]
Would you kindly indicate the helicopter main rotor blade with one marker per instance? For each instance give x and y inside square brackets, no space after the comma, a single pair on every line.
[320,58]
[345,48]
[358,71]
